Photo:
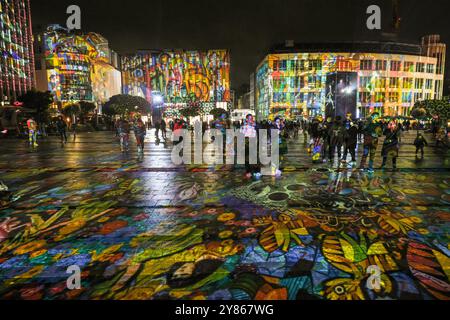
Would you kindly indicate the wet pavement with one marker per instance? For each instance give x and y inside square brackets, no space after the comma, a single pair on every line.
[144,228]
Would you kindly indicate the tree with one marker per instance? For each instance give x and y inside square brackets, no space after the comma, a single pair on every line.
[191,111]
[72,110]
[217,112]
[123,103]
[435,108]
[86,107]
[39,101]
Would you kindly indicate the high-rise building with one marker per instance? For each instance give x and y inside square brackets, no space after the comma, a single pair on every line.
[335,78]
[16,49]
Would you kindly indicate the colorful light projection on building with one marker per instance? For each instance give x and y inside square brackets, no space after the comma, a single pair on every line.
[77,66]
[181,77]
[295,84]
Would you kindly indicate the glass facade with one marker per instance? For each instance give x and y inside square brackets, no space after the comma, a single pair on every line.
[294,84]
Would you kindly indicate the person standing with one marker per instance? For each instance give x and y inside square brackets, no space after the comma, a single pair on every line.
[61,126]
[326,137]
[140,132]
[420,143]
[336,138]
[164,129]
[391,144]
[32,132]
[74,130]
[124,134]
[157,128]
[350,142]
[371,132]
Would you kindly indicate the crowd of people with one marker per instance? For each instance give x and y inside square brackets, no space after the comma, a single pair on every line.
[327,139]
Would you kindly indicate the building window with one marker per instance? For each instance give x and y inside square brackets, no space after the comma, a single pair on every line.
[364,82]
[381,65]
[395,65]
[407,83]
[419,84]
[430,68]
[429,84]
[380,97]
[417,96]
[366,65]
[408,66]
[420,67]
[393,83]
[393,97]
[406,97]
[380,83]
[364,97]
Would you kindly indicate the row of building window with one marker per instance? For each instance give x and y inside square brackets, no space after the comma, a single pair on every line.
[294,83]
[393,82]
[408,66]
[364,97]
[372,65]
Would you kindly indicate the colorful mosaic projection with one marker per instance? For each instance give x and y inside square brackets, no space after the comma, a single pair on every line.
[292,84]
[69,61]
[180,76]
[311,235]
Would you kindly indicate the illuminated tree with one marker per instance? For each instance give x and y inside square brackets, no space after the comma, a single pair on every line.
[123,104]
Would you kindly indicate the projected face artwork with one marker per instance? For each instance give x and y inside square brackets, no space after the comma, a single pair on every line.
[180,76]
[308,235]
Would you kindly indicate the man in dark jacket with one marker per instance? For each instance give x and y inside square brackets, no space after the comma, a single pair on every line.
[336,134]
[420,143]
[350,142]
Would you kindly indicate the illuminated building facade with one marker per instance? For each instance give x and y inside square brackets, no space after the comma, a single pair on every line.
[16,49]
[361,78]
[76,67]
[182,78]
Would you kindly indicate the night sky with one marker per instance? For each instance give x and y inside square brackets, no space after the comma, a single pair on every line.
[247,27]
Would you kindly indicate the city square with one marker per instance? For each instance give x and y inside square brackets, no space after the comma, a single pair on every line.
[98,202]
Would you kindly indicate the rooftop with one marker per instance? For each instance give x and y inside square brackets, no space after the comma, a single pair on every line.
[356,47]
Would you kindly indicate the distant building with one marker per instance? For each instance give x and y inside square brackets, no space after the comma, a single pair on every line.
[336,78]
[76,66]
[181,78]
[244,102]
[16,49]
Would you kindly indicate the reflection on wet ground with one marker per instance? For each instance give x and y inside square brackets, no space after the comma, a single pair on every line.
[146,229]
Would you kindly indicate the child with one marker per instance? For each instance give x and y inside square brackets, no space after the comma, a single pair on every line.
[420,142]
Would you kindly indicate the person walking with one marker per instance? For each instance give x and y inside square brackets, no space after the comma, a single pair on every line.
[420,143]
[74,128]
[124,134]
[140,132]
[61,126]
[391,144]
[32,132]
